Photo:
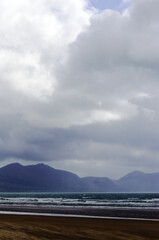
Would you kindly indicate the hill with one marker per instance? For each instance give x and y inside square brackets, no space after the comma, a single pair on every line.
[139,182]
[42,178]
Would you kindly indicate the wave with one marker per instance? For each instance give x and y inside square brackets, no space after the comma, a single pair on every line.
[101,200]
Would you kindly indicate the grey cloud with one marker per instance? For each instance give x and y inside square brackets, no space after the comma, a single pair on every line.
[103,107]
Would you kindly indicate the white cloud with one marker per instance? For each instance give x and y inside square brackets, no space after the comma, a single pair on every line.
[79,85]
[33,38]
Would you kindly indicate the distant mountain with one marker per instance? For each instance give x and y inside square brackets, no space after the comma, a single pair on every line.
[139,182]
[98,184]
[42,178]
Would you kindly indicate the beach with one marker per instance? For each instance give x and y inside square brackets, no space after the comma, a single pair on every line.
[79,216]
[85,211]
[20,227]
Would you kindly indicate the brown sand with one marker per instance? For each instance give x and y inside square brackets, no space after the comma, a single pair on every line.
[20,227]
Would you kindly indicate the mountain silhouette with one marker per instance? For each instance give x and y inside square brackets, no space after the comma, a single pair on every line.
[43,178]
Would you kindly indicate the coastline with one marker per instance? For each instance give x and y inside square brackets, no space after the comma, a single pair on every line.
[74,216]
[122,213]
[77,223]
[70,228]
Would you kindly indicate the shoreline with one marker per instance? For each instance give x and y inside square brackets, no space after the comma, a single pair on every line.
[70,228]
[122,213]
[74,216]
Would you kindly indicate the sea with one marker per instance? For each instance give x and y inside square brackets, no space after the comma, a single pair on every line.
[92,200]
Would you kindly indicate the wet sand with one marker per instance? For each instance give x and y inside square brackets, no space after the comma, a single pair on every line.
[19,227]
[103,212]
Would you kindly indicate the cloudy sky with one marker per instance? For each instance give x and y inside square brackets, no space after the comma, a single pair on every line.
[79,85]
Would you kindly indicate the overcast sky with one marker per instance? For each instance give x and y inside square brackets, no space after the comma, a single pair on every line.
[79,85]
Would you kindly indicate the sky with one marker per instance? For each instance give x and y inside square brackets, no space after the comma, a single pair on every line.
[102,5]
[79,85]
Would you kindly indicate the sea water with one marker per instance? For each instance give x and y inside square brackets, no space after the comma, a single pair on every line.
[97,200]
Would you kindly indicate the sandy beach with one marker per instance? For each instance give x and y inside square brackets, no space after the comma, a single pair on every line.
[20,227]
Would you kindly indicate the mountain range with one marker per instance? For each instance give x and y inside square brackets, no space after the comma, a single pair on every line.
[42,178]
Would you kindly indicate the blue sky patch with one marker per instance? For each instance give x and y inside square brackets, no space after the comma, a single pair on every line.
[109,4]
